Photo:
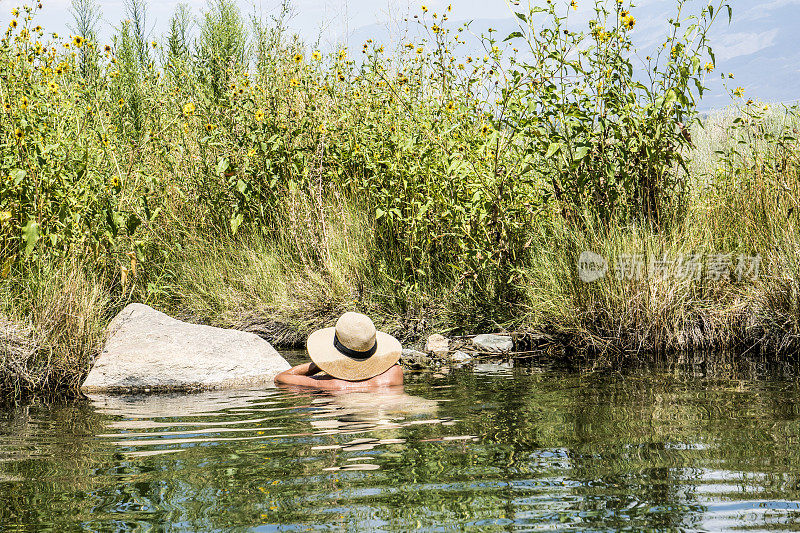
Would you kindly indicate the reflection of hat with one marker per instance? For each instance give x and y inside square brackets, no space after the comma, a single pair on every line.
[353,350]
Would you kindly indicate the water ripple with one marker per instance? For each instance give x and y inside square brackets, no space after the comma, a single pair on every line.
[499,449]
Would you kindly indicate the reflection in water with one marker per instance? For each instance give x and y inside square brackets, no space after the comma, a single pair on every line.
[498,448]
[329,413]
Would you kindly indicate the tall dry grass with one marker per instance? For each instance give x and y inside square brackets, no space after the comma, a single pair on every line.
[52,322]
[745,171]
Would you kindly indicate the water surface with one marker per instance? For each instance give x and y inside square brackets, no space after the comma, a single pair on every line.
[494,448]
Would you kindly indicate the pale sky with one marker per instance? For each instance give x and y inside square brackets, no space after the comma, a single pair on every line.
[339,17]
[762,46]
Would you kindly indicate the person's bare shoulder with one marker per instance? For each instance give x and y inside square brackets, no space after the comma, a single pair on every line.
[390,378]
[393,376]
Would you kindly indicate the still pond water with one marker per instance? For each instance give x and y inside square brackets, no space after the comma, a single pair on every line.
[663,447]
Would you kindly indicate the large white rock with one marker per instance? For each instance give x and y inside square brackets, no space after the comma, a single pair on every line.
[147,350]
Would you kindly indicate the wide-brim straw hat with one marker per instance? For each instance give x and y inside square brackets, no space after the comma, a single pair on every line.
[353,350]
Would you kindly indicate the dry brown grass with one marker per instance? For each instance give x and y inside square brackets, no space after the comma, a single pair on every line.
[51,328]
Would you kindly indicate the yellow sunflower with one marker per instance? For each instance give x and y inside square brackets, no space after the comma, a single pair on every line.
[628,21]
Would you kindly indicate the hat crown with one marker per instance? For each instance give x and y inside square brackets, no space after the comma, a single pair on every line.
[356,332]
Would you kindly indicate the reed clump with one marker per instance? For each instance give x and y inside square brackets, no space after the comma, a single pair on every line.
[51,327]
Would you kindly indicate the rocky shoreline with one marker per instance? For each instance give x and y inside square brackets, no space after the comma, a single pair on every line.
[440,351]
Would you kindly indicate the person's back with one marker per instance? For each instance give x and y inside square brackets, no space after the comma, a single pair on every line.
[310,375]
[350,356]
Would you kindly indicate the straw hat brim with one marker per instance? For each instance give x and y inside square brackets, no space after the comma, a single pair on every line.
[325,355]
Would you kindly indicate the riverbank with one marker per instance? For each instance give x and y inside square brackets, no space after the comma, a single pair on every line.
[55,316]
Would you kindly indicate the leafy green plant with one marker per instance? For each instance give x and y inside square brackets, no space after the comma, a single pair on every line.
[609,138]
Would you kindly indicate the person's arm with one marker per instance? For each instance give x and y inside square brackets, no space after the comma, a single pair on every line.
[305,375]
[298,375]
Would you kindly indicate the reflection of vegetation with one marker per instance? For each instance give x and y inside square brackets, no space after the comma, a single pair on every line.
[585,450]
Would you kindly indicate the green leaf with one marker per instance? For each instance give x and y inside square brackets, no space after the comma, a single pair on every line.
[379,213]
[30,234]
[222,165]
[6,270]
[695,64]
[236,221]
[669,98]
[132,223]
[423,209]
[513,35]
[552,149]
[580,153]
[111,220]
[17,175]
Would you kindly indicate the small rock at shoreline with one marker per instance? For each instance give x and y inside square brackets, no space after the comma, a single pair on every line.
[438,345]
[460,357]
[414,359]
[491,343]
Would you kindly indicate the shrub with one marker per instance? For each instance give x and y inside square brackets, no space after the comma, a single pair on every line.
[605,137]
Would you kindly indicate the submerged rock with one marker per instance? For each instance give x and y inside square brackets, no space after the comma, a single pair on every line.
[493,343]
[460,357]
[414,359]
[437,344]
[148,351]
[494,368]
